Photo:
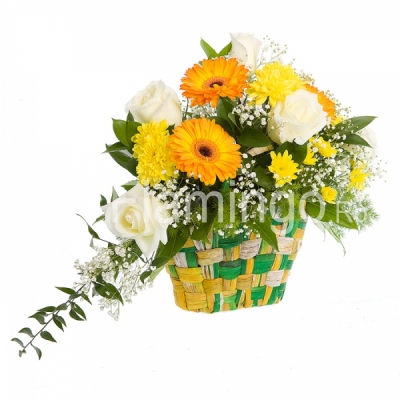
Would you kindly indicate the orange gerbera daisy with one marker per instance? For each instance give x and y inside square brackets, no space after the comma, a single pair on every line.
[213,79]
[202,149]
[327,104]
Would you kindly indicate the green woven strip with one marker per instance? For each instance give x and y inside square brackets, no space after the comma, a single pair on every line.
[215,242]
[238,296]
[229,272]
[281,290]
[263,247]
[191,259]
[302,224]
[274,295]
[263,263]
[172,271]
[243,270]
[217,303]
[230,300]
[289,264]
[231,242]
[284,262]
[216,270]
[231,264]
[257,293]
[294,224]
[191,249]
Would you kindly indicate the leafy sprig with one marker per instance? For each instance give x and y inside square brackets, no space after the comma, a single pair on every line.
[50,314]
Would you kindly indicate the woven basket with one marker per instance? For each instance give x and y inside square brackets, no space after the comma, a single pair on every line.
[233,273]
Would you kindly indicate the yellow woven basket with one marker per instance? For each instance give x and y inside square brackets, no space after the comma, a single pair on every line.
[239,272]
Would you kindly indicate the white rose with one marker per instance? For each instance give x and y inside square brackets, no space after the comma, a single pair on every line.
[155,103]
[245,47]
[140,216]
[296,119]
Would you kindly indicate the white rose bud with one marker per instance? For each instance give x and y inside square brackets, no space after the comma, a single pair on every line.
[155,103]
[296,119]
[139,216]
[245,47]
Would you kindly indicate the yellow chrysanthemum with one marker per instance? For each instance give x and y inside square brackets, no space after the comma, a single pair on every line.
[310,159]
[329,194]
[358,176]
[327,104]
[213,79]
[283,168]
[152,153]
[324,147]
[275,81]
[202,149]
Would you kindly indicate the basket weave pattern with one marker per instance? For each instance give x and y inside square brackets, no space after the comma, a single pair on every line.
[233,273]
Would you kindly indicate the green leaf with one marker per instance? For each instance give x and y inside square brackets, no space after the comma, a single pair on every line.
[103,201]
[114,195]
[47,336]
[98,219]
[226,125]
[79,310]
[75,316]
[129,185]
[47,309]
[290,147]
[266,232]
[85,296]
[91,231]
[63,306]
[155,273]
[125,161]
[118,146]
[253,138]
[129,117]
[326,226]
[145,275]
[38,351]
[265,179]
[300,153]
[204,228]
[210,52]
[65,289]
[16,340]
[131,130]
[330,212]
[59,321]
[353,138]
[119,128]
[27,331]
[174,243]
[235,119]
[74,296]
[39,317]
[224,108]
[108,291]
[353,125]
[225,51]
[22,352]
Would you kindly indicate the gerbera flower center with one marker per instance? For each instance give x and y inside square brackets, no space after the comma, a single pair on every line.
[206,150]
[215,80]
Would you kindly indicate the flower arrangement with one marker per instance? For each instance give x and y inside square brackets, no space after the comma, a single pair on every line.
[253,143]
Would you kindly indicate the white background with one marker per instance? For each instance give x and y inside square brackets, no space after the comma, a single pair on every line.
[66,69]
